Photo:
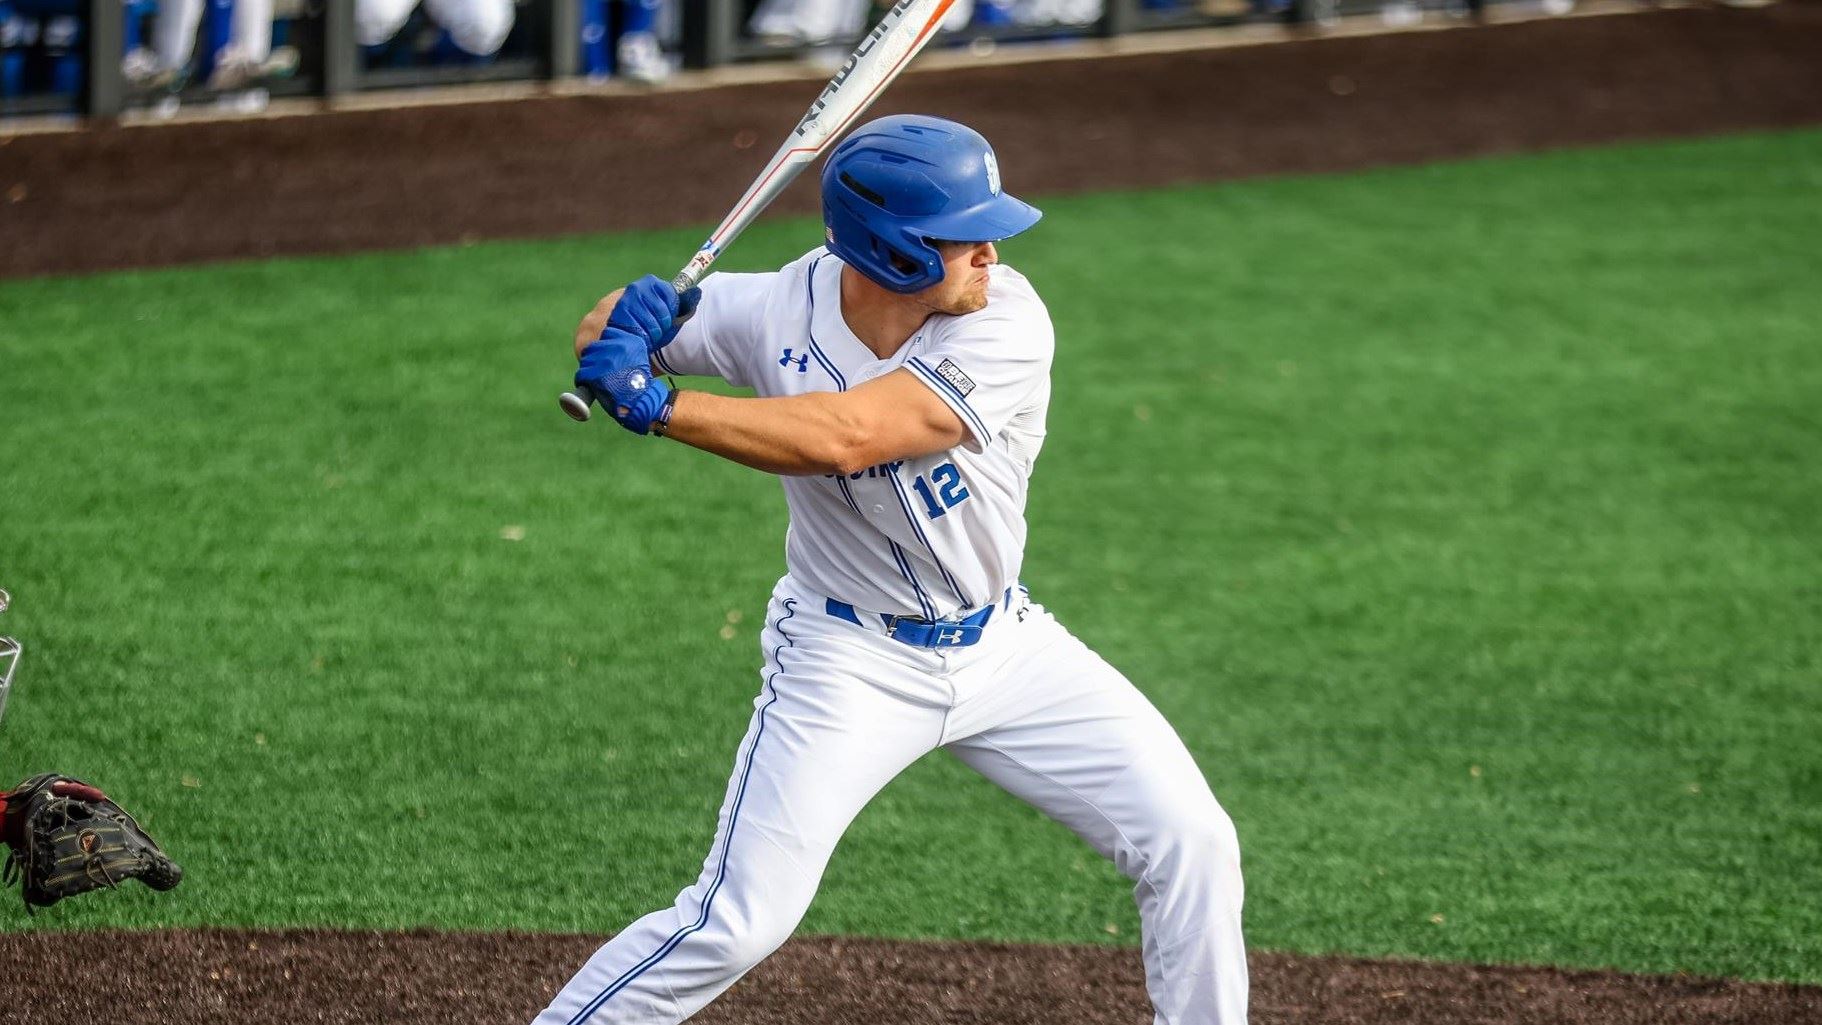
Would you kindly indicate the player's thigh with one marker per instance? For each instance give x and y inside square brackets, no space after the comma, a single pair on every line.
[827,733]
[376,21]
[477,26]
[1089,749]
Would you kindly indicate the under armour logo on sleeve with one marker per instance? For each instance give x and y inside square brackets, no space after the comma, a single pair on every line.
[803,361]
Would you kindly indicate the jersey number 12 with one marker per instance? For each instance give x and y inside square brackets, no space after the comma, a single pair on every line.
[946,495]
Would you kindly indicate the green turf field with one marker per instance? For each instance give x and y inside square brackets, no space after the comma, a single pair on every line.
[1466,519]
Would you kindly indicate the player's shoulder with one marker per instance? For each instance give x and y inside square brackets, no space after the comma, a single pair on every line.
[762,293]
[1013,293]
[788,281]
[797,273]
[1014,312]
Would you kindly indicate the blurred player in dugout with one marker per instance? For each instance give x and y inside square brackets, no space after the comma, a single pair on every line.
[55,30]
[480,27]
[49,36]
[476,27]
[248,55]
[813,22]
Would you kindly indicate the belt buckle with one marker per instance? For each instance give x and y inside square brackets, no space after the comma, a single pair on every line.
[892,627]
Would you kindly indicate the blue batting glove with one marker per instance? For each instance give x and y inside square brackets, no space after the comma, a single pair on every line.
[618,370]
[652,309]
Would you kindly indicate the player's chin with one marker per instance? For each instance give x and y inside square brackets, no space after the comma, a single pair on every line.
[973,301]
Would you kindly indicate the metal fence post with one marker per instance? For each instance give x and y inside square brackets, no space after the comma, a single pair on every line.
[105,93]
[341,56]
[711,28]
[565,38]
[1310,13]
[1119,17]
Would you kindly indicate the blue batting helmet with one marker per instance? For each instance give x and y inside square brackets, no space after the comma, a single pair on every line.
[898,183]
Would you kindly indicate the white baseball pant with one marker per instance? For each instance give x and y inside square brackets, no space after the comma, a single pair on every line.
[837,21]
[843,710]
[174,32]
[477,26]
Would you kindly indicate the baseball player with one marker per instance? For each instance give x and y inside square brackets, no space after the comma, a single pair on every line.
[248,56]
[902,376]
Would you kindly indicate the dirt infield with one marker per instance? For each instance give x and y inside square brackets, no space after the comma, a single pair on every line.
[131,197]
[228,978]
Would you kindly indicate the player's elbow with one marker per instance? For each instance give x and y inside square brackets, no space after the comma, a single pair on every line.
[847,453]
[845,462]
[864,436]
[849,443]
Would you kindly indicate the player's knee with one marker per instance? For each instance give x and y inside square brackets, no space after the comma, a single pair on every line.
[745,944]
[376,21]
[1194,842]
[483,29]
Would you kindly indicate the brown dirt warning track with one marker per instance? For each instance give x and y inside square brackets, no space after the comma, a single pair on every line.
[150,196]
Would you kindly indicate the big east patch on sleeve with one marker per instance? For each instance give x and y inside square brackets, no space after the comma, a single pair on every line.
[948,371]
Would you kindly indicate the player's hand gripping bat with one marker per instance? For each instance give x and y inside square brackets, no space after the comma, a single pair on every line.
[898,37]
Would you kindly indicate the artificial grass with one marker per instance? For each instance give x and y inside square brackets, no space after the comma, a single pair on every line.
[1463,518]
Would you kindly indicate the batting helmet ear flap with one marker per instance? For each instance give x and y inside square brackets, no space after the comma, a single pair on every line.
[901,261]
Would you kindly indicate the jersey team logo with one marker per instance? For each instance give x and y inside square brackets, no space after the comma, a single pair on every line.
[948,371]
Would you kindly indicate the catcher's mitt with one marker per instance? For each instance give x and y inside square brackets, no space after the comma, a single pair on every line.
[66,838]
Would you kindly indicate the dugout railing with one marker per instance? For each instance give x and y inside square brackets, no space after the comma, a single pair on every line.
[548,43]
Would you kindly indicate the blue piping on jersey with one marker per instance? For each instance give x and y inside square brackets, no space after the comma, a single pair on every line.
[721,873]
[822,360]
[663,367]
[904,502]
[828,366]
[841,481]
[974,419]
[904,566]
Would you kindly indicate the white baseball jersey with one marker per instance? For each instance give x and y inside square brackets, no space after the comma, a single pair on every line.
[934,537]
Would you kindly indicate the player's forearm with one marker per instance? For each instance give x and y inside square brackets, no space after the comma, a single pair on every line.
[792,436]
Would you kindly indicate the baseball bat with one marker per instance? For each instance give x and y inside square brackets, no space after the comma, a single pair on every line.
[879,59]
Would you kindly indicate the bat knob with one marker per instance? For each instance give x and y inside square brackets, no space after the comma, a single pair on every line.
[574,405]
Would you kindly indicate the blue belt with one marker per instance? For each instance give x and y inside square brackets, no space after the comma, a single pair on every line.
[924,633]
